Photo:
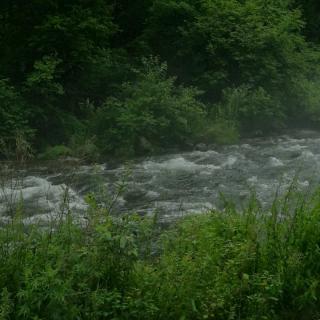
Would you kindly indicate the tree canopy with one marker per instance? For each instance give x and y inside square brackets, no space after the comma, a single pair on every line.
[69,65]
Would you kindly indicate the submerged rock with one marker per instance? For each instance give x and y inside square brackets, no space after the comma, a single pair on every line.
[201,147]
[145,145]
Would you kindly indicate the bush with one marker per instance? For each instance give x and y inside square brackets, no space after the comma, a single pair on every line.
[220,131]
[255,110]
[14,114]
[254,265]
[17,147]
[152,109]
[74,268]
[307,101]
[56,152]
[84,148]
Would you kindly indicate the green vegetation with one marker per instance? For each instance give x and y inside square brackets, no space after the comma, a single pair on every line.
[123,78]
[151,108]
[56,152]
[220,265]
[120,78]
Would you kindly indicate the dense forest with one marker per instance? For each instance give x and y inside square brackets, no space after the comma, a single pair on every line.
[121,78]
[129,77]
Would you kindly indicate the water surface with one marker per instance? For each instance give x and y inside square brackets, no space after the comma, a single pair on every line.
[174,184]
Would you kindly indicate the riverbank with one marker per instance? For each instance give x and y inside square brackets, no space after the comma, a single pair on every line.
[219,265]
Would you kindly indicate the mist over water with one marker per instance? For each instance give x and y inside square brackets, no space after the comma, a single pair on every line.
[175,184]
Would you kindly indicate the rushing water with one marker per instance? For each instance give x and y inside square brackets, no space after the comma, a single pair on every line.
[173,184]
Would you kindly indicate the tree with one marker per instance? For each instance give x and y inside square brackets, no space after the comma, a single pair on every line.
[150,108]
[14,113]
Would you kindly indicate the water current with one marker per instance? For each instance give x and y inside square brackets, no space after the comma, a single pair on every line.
[173,184]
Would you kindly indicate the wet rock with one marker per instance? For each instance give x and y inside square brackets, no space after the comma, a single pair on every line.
[145,145]
[201,147]
[71,159]
[213,146]
[189,145]
[134,195]
[295,154]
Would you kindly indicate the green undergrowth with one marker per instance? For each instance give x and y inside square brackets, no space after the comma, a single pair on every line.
[253,264]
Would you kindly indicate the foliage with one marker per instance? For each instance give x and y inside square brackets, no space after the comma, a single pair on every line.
[151,108]
[216,45]
[219,265]
[223,42]
[47,47]
[254,109]
[310,9]
[250,266]
[84,148]
[220,131]
[80,62]
[14,113]
[56,152]
[42,79]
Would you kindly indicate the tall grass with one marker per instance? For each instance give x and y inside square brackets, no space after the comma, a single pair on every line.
[218,265]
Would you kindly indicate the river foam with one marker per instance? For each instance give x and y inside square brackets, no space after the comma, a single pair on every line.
[176,184]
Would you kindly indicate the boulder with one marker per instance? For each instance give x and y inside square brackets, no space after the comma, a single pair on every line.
[201,147]
[145,145]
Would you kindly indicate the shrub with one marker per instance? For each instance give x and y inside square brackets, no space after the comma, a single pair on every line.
[14,114]
[220,131]
[151,108]
[73,269]
[84,148]
[307,101]
[56,152]
[254,109]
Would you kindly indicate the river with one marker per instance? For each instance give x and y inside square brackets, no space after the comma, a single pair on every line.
[173,184]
